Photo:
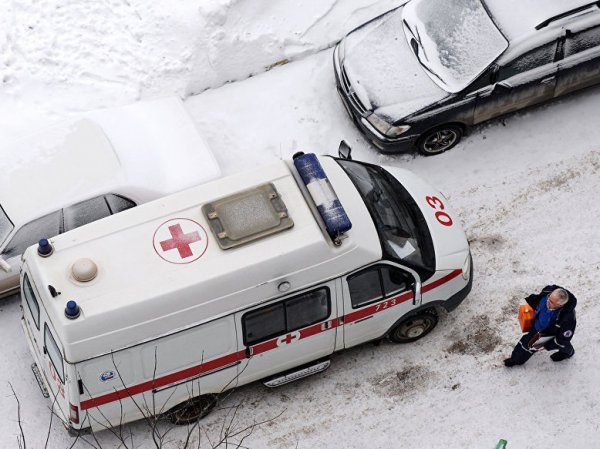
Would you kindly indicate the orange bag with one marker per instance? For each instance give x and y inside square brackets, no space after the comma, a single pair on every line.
[526,317]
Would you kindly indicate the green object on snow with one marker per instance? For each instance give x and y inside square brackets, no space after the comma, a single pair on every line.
[501,444]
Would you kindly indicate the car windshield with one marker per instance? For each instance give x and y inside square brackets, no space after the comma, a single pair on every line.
[455,41]
[400,224]
[6,226]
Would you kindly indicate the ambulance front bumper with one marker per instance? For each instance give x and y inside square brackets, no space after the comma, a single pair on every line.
[454,301]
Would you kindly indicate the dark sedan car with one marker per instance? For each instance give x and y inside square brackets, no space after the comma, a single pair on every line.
[418,75]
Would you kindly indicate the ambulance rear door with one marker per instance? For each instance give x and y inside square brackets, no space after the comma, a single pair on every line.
[50,367]
[288,332]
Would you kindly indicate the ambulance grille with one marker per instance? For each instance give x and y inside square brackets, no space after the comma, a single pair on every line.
[247,216]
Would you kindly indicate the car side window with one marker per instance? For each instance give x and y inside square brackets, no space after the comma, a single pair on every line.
[582,41]
[44,227]
[528,61]
[286,316]
[376,283]
[85,212]
[118,203]
[485,79]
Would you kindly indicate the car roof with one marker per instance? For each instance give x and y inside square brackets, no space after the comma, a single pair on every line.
[144,151]
[519,18]
[45,174]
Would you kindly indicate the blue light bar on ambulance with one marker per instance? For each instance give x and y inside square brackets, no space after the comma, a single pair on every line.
[329,206]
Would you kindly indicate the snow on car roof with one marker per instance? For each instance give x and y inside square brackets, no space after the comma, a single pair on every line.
[517,18]
[147,149]
[51,170]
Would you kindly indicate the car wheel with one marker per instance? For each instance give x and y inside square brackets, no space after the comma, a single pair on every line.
[192,410]
[440,139]
[414,327]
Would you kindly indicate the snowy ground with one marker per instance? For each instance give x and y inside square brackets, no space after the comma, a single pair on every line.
[524,187]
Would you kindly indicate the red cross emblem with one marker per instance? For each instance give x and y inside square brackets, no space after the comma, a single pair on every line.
[288,338]
[180,240]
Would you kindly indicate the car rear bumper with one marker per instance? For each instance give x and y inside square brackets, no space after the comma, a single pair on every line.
[358,115]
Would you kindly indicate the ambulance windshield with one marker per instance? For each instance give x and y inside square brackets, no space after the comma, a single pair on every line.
[5,226]
[400,224]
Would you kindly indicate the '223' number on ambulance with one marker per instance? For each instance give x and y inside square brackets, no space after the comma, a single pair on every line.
[441,216]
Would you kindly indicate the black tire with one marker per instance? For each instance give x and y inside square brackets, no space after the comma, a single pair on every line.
[192,410]
[414,327]
[440,139]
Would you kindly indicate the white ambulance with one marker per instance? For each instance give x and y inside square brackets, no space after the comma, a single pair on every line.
[258,276]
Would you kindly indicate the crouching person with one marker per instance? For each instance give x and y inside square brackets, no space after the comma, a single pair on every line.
[553,326]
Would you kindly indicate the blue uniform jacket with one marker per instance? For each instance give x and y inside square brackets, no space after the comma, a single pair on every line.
[564,326]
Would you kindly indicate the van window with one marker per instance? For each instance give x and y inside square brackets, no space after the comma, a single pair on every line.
[377,283]
[54,353]
[286,316]
[401,226]
[307,309]
[32,302]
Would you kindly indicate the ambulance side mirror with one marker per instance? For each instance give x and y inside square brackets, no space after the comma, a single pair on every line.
[344,151]
[4,265]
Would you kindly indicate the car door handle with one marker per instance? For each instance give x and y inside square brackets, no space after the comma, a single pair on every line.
[548,80]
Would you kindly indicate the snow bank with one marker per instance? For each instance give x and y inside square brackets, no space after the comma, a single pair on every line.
[60,57]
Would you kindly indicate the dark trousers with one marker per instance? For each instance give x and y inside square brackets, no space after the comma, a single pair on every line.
[522,353]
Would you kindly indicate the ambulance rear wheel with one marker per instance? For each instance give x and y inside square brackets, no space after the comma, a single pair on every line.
[192,410]
[414,327]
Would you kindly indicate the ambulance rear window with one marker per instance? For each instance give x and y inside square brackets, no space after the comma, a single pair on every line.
[54,353]
[31,300]
[286,316]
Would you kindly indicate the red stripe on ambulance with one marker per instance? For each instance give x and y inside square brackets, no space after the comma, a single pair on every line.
[260,348]
[165,380]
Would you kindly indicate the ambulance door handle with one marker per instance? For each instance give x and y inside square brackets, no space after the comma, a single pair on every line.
[248,352]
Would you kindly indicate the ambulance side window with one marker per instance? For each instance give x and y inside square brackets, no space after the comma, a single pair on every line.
[32,302]
[307,309]
[54,353]
[286,316]
[264,323]
[376,283]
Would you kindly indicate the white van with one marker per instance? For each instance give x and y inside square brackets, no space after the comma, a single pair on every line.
[258,276]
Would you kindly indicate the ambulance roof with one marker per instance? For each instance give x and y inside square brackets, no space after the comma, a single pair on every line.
[143,290]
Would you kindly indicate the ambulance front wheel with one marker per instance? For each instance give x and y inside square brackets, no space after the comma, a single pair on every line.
[192,410]
[414,327]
